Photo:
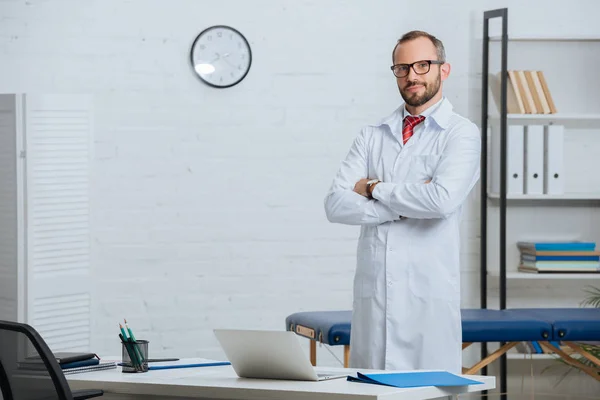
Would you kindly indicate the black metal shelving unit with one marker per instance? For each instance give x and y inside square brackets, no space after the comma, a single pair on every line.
[487,16]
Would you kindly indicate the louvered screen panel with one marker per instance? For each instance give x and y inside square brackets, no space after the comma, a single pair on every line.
[59,137]
[8,208]
[63,321]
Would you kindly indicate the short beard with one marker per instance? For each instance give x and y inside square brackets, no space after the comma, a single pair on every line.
[415,100]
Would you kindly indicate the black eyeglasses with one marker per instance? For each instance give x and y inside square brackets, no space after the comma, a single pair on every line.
[420,67]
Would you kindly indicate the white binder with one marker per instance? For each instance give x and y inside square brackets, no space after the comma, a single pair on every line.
[515,143]
[515,156]
[553,159]
[534,159]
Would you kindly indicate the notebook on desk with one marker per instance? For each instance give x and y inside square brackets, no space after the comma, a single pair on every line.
[66,360]
[268,355]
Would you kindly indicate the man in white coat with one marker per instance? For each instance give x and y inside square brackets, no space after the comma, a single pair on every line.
[404,181]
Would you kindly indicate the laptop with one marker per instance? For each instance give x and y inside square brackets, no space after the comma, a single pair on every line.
[268,355]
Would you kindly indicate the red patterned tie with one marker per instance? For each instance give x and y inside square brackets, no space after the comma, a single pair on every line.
[409,124]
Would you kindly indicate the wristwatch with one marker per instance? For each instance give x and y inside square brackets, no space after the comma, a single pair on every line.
[370,186]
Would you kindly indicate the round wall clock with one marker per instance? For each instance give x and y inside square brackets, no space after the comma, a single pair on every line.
[221,56]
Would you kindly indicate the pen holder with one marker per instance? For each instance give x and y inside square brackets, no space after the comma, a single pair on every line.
[135,356]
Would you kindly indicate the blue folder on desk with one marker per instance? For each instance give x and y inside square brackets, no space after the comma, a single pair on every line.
[414,379]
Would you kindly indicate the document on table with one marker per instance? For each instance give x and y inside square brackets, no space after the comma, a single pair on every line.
[414,379]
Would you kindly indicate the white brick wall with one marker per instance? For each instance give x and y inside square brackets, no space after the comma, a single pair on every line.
[208,204]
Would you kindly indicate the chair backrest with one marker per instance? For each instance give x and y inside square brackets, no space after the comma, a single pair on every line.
[28,370]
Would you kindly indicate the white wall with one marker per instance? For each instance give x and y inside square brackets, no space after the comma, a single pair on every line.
[208,204]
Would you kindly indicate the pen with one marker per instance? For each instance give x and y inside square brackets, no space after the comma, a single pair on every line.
[152,360]
[214,364]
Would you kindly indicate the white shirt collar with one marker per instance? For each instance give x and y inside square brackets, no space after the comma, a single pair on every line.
[440,113]
[430,110]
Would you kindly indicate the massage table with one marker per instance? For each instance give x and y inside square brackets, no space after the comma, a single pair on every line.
[546,326]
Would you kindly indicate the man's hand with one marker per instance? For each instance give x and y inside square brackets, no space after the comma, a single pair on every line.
[361,187]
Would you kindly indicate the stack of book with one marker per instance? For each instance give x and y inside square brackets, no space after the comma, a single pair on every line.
[527,92]
[69,362]
[73,363]
[559,257]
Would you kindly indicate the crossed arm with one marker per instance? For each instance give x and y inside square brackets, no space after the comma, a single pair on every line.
[457,173]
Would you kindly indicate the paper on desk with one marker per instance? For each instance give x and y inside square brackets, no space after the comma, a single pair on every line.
[414,379]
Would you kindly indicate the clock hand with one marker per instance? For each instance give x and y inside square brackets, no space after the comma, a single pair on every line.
[214,59]
[227,61]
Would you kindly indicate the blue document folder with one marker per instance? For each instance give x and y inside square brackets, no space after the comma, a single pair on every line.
[414,379]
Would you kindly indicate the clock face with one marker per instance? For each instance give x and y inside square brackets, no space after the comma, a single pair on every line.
[221,56]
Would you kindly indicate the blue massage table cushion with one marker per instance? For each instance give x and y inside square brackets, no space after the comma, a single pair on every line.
[478,325]
[485,325]
[572,324]
[329,327]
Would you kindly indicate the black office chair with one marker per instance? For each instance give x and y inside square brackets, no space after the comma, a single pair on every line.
[29,371]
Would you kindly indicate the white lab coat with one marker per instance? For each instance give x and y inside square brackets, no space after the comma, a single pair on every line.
[406,307]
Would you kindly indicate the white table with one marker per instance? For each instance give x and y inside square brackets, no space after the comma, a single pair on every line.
[222,383]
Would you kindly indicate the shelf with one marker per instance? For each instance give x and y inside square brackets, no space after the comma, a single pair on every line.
[557,116]
[583,120]
[523,119]
[529,357]
[542,38]
[566,196]
[544,276]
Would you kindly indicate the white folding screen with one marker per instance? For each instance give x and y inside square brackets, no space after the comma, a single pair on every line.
[9,282]
[56,136]
[58,141]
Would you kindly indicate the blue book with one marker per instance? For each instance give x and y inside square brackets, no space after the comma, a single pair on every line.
[557,246]
[531,257]
[414,379]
